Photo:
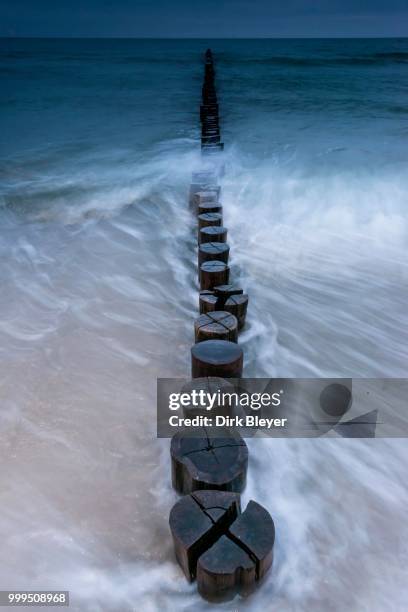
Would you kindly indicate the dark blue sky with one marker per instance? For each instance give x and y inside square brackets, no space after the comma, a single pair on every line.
[203,18]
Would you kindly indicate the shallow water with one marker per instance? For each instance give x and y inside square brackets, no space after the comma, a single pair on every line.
[98,141]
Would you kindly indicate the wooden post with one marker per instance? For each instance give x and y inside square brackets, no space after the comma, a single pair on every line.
[216,358]
[223,292]
[210,139]
[240,558]
[207,195]
[207,121]
[208,463]
[213,273]
[217,325]
[224,571]
[195,526]
[212,148]
[210,125]
[198,187]
[228,551]
[209,220]
[208,109]
[209,131]
[209,207]
[213,234]
[235,304]
[210,251]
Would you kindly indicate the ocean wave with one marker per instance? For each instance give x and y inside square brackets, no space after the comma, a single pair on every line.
[99,295]
[354,60]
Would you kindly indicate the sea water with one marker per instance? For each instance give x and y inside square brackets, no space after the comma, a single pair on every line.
[98,139]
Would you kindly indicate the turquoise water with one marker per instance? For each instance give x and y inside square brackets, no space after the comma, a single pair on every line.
[98,140]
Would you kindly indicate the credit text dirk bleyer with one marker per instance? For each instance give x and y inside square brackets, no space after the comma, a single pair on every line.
[225,421]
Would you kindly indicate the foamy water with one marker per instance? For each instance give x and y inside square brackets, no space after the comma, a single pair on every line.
[99,295]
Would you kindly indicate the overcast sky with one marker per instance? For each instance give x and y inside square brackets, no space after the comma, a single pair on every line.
[204,18]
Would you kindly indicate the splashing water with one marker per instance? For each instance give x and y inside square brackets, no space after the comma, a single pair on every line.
[99,296]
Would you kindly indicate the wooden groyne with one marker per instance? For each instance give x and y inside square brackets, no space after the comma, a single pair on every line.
[226,550]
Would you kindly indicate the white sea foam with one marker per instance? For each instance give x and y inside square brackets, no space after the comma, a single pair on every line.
[99,293]
[94,312]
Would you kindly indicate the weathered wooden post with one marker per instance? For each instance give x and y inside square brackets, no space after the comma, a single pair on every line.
[229,552]
[217,325]
[240,558]
[212,148]
[217,358]
[208,463]
[210,139]
[195,526]
[213,273]
[213,234]
[209,207]
[207,195]
[209,220]
[235,304]
[210,251]
[223,292]
[208,108]
[198,187]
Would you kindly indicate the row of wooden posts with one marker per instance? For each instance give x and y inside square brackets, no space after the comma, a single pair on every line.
[226,550]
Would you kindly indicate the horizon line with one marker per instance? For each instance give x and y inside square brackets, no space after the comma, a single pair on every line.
[298,37]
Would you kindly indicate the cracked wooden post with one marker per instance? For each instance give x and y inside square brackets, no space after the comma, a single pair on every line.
[208,463]
[195,524]
[240,558]
[229,552]
[213,273]
[213,234]
[209,220]
[210,251]
[217,325]
[236,303]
